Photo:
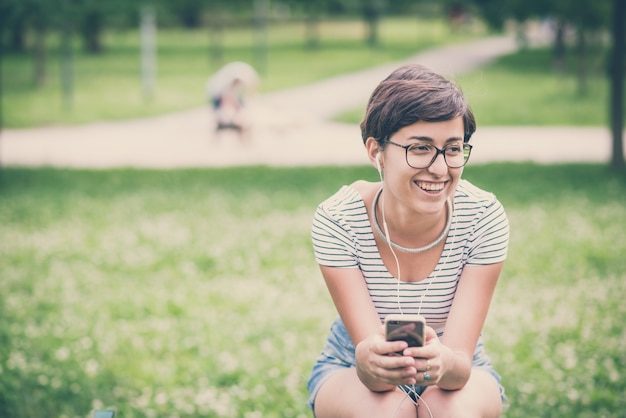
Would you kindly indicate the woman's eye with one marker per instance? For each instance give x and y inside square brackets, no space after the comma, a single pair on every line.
[420,149]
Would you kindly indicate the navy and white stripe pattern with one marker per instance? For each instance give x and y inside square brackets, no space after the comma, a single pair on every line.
[342,237]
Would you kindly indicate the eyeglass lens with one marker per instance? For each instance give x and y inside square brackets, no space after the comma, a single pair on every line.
[421,156]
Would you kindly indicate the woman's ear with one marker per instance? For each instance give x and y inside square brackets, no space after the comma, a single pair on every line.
[374,153]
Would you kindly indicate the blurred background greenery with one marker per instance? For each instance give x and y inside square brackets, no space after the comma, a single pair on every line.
[108,85]
[81,61]
[159,294]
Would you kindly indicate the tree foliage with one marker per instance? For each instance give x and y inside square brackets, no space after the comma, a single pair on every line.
[586,19]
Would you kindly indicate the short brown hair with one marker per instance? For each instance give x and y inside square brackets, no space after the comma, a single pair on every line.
[410,94]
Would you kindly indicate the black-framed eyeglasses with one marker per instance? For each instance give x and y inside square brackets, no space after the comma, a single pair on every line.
[423,155]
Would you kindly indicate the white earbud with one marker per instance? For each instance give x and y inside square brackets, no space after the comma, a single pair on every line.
[380,170]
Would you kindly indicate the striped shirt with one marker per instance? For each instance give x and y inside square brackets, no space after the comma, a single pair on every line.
[343,238]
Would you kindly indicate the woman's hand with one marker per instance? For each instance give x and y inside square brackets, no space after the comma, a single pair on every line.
[380,368]
[430,361]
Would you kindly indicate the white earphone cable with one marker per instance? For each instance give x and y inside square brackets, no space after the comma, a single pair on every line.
[409,389]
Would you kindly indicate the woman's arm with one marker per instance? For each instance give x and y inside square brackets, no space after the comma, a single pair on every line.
[465,322]
[352,300]
[376,370]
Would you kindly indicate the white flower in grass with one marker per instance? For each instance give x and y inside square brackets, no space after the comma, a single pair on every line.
[189,269]
[161,398]
[611,368]
[91,367]
[205,397]
[86,342]
[526,387]
[267,346]
[17,360]
[142,400]
[567,354]
[223,406]
[573,395]
[62,353]
[259,390]
[227,361]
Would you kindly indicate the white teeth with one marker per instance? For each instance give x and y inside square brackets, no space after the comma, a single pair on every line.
[431,187]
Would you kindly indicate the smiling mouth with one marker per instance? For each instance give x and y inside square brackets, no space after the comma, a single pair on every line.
[430,187]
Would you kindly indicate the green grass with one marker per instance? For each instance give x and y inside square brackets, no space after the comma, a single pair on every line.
[108,86]
[194,293]
[523,89]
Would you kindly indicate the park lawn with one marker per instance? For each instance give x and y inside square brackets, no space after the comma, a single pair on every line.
[108,86]
[194,293]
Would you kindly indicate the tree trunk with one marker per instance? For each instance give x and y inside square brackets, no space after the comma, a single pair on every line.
[617,85]
[216,42]
[17,36]
[92,31]
[312,26]
[558,52]
[261,13]
[372,12]
[67,70]
[1,78]
[372,25]
[581,60]
[39,75]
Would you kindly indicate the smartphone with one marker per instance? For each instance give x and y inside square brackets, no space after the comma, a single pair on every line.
[409,328]
[104,413]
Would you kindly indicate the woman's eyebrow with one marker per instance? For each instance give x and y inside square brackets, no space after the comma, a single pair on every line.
[429,139]
[421,138]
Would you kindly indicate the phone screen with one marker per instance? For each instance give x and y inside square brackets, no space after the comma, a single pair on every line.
[410,331]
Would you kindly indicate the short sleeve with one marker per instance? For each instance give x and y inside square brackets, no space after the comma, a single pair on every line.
[332,233]
[490,240]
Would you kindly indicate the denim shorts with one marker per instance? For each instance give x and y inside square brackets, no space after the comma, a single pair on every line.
[338,354]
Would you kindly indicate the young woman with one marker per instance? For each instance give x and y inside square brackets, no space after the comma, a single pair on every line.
[421,241]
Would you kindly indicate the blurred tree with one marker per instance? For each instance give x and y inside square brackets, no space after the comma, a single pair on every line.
[13,21]
[372,12]
[91,26]
[216,24]
[67,65]
[38,16]
[261,20]
[313,11]
[4,19]
[189,12]
[94,15]
[493,12]
[618,52]
[584,16]
[587,19]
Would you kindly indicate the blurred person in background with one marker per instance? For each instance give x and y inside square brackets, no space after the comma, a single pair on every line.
[423,241]
[229,91]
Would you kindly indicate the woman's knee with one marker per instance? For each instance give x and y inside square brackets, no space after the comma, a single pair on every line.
[343,395]
[479,398]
